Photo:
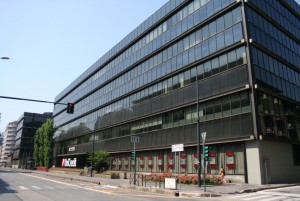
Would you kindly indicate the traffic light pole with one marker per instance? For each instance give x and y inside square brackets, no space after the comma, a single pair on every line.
[134,140]
[25,99]
[134,158]
[70,106]
[204,168]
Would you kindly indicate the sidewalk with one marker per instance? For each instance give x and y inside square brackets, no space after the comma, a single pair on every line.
[182,189]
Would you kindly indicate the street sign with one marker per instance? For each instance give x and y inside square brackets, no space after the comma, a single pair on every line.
[71,148]
[203,135]
[177,147]
[135,139]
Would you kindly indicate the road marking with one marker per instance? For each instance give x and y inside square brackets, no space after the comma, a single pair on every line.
[102,191]
[49,187]
[242,196]
[67,184]
[274,198]
[23,188]
[280,194]
[256,197]
[293,199]
[36,187]
[108,186]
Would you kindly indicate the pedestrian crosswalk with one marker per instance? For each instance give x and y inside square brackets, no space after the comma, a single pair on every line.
[58,187]
[266,196]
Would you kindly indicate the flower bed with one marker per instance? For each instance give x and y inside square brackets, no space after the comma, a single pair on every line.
[184,179]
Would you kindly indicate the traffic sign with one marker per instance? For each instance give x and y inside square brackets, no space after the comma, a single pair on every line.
[177,147]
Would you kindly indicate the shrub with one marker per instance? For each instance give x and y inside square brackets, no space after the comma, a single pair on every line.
[185,178]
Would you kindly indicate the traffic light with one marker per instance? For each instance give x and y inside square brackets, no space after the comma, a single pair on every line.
[70,108]
[206,152]
[133,155]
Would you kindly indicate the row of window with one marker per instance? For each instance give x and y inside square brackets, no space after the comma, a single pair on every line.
[280,14]
[207,8]
[274,39]
[217,65]
[274,66]
[199,44]
[276,74]
[214,109]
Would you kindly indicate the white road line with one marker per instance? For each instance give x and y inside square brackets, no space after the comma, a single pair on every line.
[256,197]
[36,187]
[108,186]
[293,199]
[280,194]
[68,184]
[49,187]
[23,188]
[242,196]
[274,198]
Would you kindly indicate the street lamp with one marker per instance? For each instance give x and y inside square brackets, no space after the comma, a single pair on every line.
[198,132]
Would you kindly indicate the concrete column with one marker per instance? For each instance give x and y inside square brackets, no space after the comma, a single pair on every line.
[253,162]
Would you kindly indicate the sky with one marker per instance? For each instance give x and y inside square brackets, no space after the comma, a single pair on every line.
[51,42]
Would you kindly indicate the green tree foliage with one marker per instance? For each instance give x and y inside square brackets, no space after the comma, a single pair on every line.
[43,144]
[99,159]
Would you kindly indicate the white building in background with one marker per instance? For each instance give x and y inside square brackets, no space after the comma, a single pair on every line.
[8,142]
[1,141]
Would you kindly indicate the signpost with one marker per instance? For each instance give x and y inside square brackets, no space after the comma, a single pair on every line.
[134,140]
[177,148]
[203,136]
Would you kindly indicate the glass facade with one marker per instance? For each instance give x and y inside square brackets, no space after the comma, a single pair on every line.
[147,84]
[28,123]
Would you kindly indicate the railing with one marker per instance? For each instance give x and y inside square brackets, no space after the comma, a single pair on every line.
[144,180]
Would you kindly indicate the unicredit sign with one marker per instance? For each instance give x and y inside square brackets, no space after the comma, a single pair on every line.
[67,162]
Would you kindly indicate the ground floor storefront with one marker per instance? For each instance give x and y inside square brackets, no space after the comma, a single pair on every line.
[253,161]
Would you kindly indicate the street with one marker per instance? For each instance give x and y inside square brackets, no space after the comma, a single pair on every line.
[16,186]
[278,194]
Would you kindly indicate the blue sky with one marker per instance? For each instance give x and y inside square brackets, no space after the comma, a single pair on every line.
[51,42]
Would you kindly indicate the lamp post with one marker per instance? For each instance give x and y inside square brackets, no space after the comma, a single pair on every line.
[93,155]
[198,131]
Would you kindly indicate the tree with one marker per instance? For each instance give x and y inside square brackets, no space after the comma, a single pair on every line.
[100,160]
[43,144]
[48,142]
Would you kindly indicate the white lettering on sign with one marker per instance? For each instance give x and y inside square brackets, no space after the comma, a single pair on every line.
[177,147]
[71,148]
[67,162]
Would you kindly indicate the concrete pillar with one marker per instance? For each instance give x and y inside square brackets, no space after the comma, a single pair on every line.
[253,162]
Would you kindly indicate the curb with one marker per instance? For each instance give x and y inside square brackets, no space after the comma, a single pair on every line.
[174,193]
[71,178]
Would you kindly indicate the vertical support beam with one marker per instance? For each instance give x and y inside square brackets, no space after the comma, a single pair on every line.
[251,75]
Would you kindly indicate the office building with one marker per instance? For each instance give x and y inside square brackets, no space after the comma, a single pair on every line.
[23,150]
[232,65]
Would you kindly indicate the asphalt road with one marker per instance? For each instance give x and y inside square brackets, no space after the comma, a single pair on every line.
[278,194]
[16,186]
